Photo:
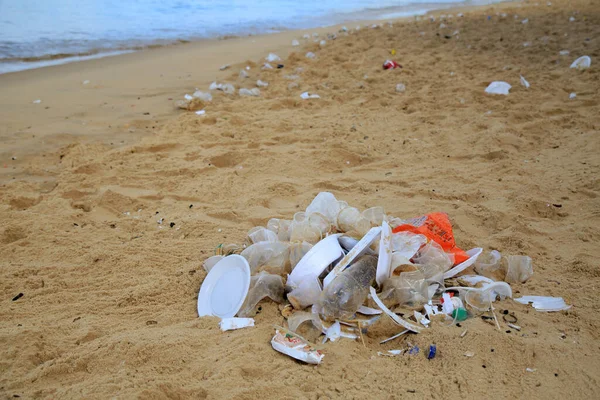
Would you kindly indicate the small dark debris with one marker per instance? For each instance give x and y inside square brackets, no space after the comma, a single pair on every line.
[448,36]
[76,319]
[61,156]
[505,312]
[492,350]
[555,374]
[458,324]
[366,137]
[191,205]
[508,331]
[75,224]
[172,224]
[16,395]
[279,66]
[259,308]
[156,213]
[17,297]
[411,390]
[13,158]
[113,226]
[557,205]
[484,366]
[486,318]
[146,113]
[388,173]
[151,322]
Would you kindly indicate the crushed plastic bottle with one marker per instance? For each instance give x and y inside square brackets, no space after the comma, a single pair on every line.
[348,291]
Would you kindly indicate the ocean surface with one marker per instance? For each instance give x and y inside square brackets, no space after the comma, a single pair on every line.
[37,33]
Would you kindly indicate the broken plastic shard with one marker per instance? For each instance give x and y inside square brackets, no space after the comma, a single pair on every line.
[582,62]
[325,204]
[544,303]
[260,83]
[402,322]
[368,310]
[230,324]
[201,112]
[295,43]
[261,286]
[572,96]
[407,244]
[498,87]
[310,54]
[334,332]
[267,66]
[306,293]
[400,88]
[524,82]
[481,298]
[433,254]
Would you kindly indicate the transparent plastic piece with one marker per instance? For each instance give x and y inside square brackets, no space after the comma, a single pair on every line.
[271,256]
[306,293]
[297,251]
[410,289]
[281,227]
[375,215]
[327,205]
[262,234]
[261,286]
[519,269]
[433,254]
[490,266]
[348,291]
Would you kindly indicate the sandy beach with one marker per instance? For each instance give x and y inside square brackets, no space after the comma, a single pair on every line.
[109,295]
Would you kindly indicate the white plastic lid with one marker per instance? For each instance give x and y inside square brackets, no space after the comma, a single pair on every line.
[225,288]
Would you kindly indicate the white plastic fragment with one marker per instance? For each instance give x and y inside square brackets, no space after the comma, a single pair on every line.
[296,348]
[498,87]
[368,310]
[394,337]
[243,74]
[188,97]
[385,254]
[564,52]
[400,88]
[306,96]
[572,96]
[530,369]
[402,322]
[310,54]
[254,92]
[447,306]
[230,324]
[322,43]
[201,112]
[334,332]
[571,19]
[272,57]
[86,82]
[204,96]
[526,20]
[524,82]
[267,66]
[224,67]
[295,43]
[38,101]
[473,255]
[582,62]
[260,83]
[544,303]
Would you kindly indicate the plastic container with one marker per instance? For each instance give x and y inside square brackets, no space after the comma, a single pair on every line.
[490,266]
[433,254]
[306,293]
[262,234]
[272,256]
[519,269]
[348,291]
[410,290]
[261,286]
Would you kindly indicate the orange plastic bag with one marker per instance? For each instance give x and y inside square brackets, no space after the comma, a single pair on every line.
[436,227]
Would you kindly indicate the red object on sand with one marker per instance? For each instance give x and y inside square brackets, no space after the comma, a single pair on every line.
[390,64]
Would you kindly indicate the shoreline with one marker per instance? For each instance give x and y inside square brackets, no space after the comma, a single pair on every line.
[337,19]
[130,95]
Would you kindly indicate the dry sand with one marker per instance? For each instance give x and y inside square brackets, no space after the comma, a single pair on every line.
[109,304]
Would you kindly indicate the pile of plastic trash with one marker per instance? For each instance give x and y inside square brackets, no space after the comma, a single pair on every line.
[339,270]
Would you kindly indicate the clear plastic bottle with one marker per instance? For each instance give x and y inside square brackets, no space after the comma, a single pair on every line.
[349,290]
